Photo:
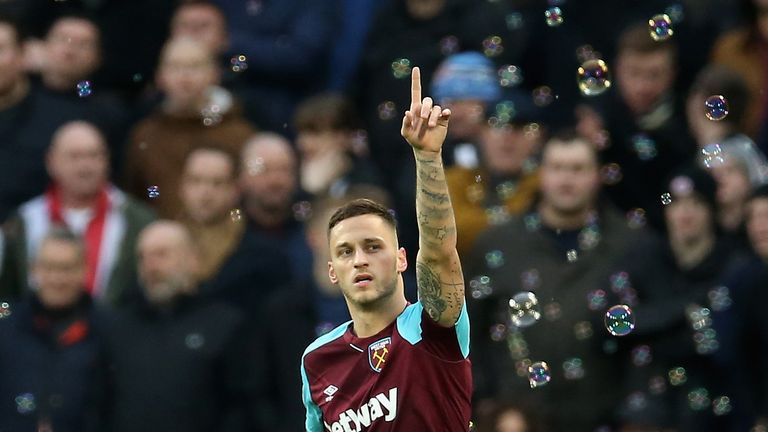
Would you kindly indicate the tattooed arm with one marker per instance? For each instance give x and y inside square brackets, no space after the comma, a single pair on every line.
[438,269]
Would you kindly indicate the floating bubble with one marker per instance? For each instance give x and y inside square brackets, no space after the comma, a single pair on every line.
[211,115]
[480,287]
[472,426]
[596,300]
[677,376]
[497,215]
[5,310]
[323,328]
[401,68]
[644,146]
[610,346]
[554,16]
[589,237]
[721,405]
[712,155]
[524,309]
[302,211]
[492,46]
[514,21]
[538,374]
[506,190]
[542,96]
[253,7]
[521,367]
[518,347]
[255,166]
[387,110]
[137,77]
[698,399]
[717,107]
[153,192]
[25,403]
[585,53]
[504,112]
[236,215]
[593,77]
[657,385]
[494,259]
[532,222]
[676,13]
[478,178]
[530,279]
[572,255]
[475,193]
[583,330]
[498,332]
[194,341]
[84,89]
[573,368]
[553,311]
[719,298]
[619,320]
[641,355]
[660,27]
[699,317]
[636,218]
[611,174]
[637,401]
[449,45]
[238,63]
[666,198]
[510,75]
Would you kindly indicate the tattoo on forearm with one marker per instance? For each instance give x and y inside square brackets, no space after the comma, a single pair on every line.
[439,197]
[430,291]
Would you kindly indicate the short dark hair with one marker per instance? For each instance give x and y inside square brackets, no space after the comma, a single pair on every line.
[636,39]
[61,233]
[569,136]
[721,80]
[326,111]
[359,207]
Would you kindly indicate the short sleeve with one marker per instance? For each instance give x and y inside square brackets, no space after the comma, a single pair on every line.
[314,417]
[447,343]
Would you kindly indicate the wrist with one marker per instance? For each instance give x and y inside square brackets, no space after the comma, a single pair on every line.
[427,154]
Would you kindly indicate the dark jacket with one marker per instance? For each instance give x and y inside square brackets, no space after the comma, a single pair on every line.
[178,369]
[523,255]
[48,366]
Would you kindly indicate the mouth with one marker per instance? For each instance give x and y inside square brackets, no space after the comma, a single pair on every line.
[363,280]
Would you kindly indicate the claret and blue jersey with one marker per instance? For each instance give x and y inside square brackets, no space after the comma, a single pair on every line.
[414,375]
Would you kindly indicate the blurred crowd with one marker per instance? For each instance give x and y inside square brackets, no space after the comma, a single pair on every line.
[168,167]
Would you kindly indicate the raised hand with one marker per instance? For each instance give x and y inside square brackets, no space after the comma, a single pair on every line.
[425,125]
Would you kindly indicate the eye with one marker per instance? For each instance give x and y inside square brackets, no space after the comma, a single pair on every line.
[374,247]
[345,252]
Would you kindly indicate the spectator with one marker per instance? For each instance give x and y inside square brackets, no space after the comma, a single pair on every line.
[177,363]
[671,287]
[327,133]
[646,132]
[466,83]
[508,417]
[269,185]
[195,112]
[234,264]
[504,184]
[561,251]
[743,50]
[203,21]
[82,199]
[28,119]
[48,347]
[287,48]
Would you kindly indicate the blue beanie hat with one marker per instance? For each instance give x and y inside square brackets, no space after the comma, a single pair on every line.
[467,75]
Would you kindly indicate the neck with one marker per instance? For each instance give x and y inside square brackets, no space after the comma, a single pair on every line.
[731,217]
[266,217]
[690,252]
[15,94]
[553,218]
[75,201]
[57,82]
[368,322]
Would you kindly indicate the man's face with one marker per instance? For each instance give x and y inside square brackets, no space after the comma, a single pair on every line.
[733,186]
[757,225]
[59,272]
[365,261]
[504,149]
[467,118]
[268,177]
[78,161]
[11,59]
[72,49]
[688,218]
[208,188]
[186,72]
[166,263]
[511,421]
[643,78]
[203,23]
[313,144]
[569,176]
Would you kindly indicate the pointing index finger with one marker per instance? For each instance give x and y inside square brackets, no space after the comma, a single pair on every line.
[415,87]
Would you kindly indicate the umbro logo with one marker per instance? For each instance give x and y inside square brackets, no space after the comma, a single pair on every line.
[330,391]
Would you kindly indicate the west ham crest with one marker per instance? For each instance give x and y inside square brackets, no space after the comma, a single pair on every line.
[378,353]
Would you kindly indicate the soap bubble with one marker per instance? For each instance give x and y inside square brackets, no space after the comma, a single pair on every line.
[553,311]
[712,155]
[387,110]
[510,75]
[636,218]
[619,320]
[660,27]
[323,328]
[238,63]
[717,107]
[302,211]
[596,300]
[666,198]
[498,332]
[492,46]
[494,259]
[611,174]
[514,21]
[542,96]
[572,255]
[5,310]
[25,403]
[84,88]
[153,192]
[480,287]
[554,16]
[644,146]
[573,368]
[593,77]
[719,298]
[401,68]
[236,215]
[676,13]
[641,355]
[530,279]
[657,385]
[722,405]
[677,376]
[449,45]
[538,374]
[583,330]
[524,309]
[698,399]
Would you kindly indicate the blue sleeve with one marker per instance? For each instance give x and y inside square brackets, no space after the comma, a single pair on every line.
[415,326]
[314,422]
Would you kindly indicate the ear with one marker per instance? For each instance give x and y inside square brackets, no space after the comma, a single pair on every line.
[332,273]
[402,260]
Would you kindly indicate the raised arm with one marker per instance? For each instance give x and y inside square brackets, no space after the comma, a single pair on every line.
[438,269]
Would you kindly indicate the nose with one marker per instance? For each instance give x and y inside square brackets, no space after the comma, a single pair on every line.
[361,259]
